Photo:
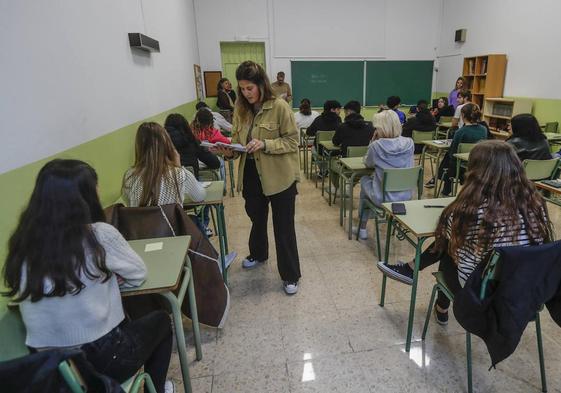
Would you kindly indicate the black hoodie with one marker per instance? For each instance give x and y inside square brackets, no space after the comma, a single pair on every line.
[354,131]
[423,121]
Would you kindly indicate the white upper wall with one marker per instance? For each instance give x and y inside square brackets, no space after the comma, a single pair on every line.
[386,29]
[68,74]
[527,32]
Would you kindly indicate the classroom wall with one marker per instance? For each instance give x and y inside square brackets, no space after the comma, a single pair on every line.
[68,75]
[528,32]
[385,29]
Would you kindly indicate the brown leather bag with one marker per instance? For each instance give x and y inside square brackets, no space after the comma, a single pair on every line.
[213,298]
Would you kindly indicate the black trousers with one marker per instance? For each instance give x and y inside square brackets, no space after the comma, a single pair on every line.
[122,352]
[448,267]
[283,207]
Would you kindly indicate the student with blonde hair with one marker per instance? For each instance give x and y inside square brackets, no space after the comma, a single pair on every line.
[388,149]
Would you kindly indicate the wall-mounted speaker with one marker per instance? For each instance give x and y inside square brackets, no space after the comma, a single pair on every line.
[460,35]
[143,42]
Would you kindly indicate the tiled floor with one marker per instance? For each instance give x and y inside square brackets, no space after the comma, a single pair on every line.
[332,336]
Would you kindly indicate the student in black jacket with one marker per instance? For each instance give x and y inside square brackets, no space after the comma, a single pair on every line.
[189,149]
[442,108]
[354,131]
[528,140]
[422,121]
[328,120]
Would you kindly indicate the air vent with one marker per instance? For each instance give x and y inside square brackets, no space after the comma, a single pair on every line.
[143,42]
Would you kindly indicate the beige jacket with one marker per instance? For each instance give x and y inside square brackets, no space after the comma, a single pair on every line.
[278,164]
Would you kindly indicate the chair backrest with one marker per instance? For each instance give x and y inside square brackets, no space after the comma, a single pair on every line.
[420,136]
[551,126]
[12,332]
[541,169]
[324,136]
[445,119]
[402,179]
[465,147]
[491,273]
[356,151]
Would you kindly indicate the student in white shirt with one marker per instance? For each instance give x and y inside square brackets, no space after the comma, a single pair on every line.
[464,97]
[305,116]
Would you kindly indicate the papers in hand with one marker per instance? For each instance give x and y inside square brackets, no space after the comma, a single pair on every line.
[205,184]
[233,146]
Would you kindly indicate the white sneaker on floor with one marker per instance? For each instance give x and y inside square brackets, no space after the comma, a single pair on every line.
[169,387]
[249,262]
[290,287]
[362,233]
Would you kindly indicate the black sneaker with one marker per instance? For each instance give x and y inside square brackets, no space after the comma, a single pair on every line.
[401,272]
[441,317]
[430,183]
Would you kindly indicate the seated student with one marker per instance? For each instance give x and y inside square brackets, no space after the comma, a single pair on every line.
[203,128]
[393,104]
[64,267]
[464,97]
[471,132]
[388,150]
[188,147]
[226,96]
[498,206]
[422,121]
[328,120]
[220,122]
[442,109]
[354,131]
[157,177]
[527,138]
[305,115]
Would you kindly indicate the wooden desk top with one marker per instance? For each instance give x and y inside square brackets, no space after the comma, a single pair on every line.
[445,124]
[421,221]
[164,265]
[437,144]
[214,195]
[547,187]
[462,156]
[328,145]
[354,164]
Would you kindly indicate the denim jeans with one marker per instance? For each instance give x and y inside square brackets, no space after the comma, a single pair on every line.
[124,350]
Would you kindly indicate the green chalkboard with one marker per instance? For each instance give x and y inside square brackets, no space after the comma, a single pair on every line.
[410,80]
[327,80]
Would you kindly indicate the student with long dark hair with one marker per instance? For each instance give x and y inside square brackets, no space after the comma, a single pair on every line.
[64,266]
[527,138]
[226,96]
[187,145]
[268,170]
[305,115]
[497,207]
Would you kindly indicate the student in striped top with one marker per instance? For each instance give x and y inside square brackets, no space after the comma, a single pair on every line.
[498,206]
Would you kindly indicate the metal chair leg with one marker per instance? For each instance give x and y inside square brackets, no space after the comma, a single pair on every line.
[540,352]
[429,310]
[468,358]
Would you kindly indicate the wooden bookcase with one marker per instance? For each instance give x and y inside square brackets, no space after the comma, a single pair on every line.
[485,76]
[499,111]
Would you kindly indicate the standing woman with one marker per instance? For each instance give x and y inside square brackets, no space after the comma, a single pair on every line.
[268,171]
[226,96]
[453,97]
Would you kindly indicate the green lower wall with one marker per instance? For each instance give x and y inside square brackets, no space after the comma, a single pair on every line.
[110,155]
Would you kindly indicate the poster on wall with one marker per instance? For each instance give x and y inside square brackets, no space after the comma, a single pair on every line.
[198,82]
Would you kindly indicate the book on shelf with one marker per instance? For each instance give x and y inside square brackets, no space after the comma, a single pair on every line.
[484,66]
[471,66]
[233,146]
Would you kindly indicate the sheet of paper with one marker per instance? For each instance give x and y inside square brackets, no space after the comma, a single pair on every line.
[205,184]
[153,246]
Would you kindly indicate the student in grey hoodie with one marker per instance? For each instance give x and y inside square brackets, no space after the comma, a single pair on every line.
[388,149]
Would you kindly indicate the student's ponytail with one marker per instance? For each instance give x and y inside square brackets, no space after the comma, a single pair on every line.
[471,113]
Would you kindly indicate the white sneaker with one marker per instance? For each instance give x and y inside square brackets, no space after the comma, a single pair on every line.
[169,387]
[362,233]
[290,287]
[231,257]
[249,262]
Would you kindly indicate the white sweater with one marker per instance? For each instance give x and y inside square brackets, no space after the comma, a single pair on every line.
[79,319]
[186,182]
